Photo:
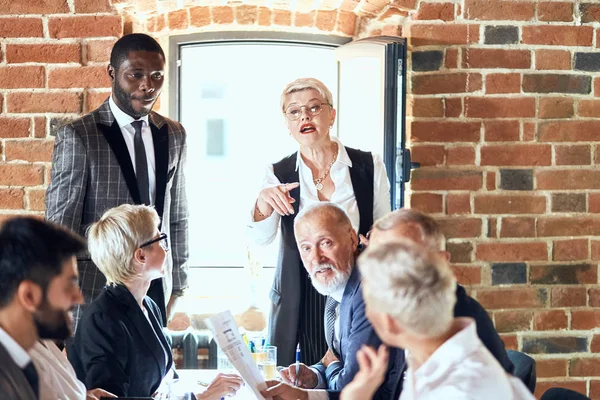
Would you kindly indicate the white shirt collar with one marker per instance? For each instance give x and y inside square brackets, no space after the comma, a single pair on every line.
[338,294]
[342,156]
[14,349]
[123,119]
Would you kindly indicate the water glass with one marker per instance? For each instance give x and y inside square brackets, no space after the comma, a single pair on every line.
[267,364]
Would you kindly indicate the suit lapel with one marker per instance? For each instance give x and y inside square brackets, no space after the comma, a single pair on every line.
[345,325]
[114,137]
[15,378]
[160,136]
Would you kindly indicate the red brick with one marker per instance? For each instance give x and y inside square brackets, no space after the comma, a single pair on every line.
[17,77]
[425,107]
[589,108]
[585,367]
[460,155]
[550,320]
[550,368]
[593,200]
[516,155]
[36,200]
[556,107]
[94,99]
[595,345]
[512,321]
[570,250]
[458,203]
[590,12]
[510,342]
[499,107]
[454,107]
[99,50]
[14,127]
[39,127]
[525,251]
[445,131]
[447,34]
[493,299]
[502,131]
[568,297]
[467,274]
[326,20]
[406,4]
[529,131]
[390,12]
[34,7]
[492,227]
[435,11]
[554,11]
[568,179]
[517,227]
[502,83]
[573,155]
[496,58]
[29,150]
[569,131]
[428,155]
[304,19]
[451,58]
[200,16]
[568,226]
[91,6]
[558,35]
[597,87]
[392,30]
[178,19]
[446,83]
[11,199]
[284,18]
[585,319]
[264,16]
[460,227]
[543,386]
[246,14]
[222,15]
[156,23]
[43,102]
[79,77]
[510,10]
[21,27]
[594,389]
[515,204]
[346,23]
[85,26]
[424,179]
[430,203]
[43,53]
[21,175]
[594,295]
[552,59]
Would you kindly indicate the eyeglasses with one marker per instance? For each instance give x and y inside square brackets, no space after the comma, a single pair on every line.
[294,112]
[162,239]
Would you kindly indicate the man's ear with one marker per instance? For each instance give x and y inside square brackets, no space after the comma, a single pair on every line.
[354,238]
[445,255]
[29,295]
[392,326]
[139,256]
[111,72]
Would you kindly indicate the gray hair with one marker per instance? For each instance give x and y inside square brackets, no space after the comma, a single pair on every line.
[305,84]
[431,233]
[414,286]
[334,214]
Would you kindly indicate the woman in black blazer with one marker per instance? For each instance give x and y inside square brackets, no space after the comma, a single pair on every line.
[119,345]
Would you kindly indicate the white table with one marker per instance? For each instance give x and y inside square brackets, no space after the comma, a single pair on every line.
[188,379]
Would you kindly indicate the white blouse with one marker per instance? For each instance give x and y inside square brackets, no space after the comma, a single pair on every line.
[264,232]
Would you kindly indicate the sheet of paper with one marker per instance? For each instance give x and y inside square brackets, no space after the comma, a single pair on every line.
[228,338]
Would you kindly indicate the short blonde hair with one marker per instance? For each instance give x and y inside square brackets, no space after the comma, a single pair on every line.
[431,233]
[113,240]
[305,84]
[414,286]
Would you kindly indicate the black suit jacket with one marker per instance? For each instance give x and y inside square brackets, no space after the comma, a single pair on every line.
[115,347]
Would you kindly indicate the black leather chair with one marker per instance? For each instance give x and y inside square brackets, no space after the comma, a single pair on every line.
[524,368]
[562,394]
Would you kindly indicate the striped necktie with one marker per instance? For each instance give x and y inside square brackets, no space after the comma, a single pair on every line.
[331,313]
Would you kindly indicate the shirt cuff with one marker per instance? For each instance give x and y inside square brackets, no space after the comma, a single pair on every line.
[317,394]
[321,384]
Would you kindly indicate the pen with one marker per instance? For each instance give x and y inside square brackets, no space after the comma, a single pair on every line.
[297,363]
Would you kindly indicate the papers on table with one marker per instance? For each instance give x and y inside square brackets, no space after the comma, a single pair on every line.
[228,338]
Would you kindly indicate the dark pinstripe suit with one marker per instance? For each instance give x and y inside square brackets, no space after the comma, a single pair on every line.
[92,172]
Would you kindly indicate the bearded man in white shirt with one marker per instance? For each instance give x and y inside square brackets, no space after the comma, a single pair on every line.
[410,295]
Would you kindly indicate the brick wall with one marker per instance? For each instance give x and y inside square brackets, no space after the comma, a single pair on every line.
[502,117]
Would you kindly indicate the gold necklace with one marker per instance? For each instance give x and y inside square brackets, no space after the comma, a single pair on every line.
[319,181]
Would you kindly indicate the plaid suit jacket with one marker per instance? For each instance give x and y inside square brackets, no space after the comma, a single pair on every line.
[92,172]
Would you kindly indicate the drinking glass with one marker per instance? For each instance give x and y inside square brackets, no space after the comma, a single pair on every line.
[267,364]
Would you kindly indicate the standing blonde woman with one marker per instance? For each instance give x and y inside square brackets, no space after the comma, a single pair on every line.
[323,169]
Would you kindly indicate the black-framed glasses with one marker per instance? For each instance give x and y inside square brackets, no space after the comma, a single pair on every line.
[294,112]
[162,239]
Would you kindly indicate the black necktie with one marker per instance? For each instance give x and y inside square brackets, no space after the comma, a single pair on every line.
[331,307]
[141,164]
[32,377]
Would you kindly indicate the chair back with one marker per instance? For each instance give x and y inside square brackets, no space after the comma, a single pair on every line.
[524,368]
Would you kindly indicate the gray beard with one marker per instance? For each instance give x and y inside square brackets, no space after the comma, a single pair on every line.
[339,280]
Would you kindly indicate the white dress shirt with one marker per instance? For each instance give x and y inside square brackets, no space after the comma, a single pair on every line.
[14,349]
[265,231]
[58,380]
[124,120]
[461,368]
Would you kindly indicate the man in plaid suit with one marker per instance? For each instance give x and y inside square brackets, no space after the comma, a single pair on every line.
[123,152]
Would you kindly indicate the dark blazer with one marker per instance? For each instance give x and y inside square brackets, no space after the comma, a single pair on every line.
[116,349]
[466,306]
[13,383]
[92,172]
[356,330]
